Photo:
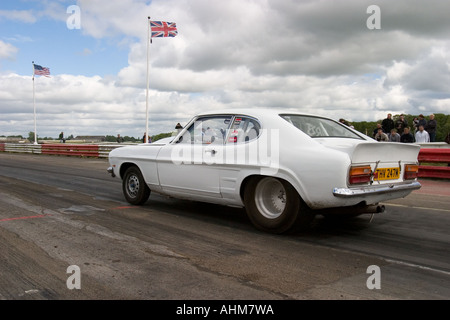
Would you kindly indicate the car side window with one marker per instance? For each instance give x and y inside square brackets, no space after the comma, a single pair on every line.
[207,130]
[244,129]
[320,127]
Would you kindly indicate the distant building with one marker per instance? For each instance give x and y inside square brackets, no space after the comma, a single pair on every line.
[12,140]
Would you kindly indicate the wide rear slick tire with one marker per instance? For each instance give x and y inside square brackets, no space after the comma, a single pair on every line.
[273,205]
[134,187]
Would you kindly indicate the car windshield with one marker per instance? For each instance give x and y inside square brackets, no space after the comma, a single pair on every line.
[317,127]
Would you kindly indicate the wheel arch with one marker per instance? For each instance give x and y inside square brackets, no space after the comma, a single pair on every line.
[297,186]
[124,167]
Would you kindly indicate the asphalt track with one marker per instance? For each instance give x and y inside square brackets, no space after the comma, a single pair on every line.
[59,212]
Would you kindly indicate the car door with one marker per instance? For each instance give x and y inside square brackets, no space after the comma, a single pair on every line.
[189,167]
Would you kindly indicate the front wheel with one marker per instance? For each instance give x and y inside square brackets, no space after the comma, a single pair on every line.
[134,187]
[273,205]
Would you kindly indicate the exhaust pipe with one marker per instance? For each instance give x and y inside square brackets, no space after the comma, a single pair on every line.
[370,209]
[375,209]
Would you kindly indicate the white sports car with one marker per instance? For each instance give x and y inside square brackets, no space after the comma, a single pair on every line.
[282,167]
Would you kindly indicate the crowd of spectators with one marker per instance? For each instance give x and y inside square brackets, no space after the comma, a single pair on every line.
[420,131]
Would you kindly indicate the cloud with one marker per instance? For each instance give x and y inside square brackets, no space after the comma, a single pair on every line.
[103,18]
[7,51]
[26,16]
[424,78]
[18,38]
[85,52]
[312,56]
[85,105]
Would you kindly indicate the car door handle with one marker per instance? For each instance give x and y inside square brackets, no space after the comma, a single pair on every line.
[213,152]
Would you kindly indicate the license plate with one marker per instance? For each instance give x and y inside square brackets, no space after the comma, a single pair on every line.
[387,174]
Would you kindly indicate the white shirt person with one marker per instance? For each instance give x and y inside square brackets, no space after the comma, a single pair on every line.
[422,135]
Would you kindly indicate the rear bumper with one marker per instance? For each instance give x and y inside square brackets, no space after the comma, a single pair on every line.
[375,190]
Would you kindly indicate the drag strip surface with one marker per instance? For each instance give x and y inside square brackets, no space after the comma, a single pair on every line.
[57,212]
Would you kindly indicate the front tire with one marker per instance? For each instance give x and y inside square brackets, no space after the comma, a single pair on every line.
[134,187]
[273,205]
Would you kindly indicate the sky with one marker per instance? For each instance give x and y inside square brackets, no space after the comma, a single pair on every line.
[351,59]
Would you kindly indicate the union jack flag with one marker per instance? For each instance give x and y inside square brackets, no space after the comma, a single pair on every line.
[163,29]
[41,71]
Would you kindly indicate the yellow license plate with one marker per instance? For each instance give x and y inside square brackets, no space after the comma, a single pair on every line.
[387,174]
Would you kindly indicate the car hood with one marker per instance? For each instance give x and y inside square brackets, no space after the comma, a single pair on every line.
[163,141]
[363,151]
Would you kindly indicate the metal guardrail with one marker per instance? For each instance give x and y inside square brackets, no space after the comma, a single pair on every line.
[82,150]
[104,150]
[20,147]
[434,155]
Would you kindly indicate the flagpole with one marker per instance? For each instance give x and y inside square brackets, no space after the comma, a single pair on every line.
[148,67]
[34,108]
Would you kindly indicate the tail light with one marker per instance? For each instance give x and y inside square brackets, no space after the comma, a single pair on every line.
[411,171]
[360,174]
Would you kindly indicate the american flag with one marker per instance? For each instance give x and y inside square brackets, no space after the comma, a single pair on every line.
[163,29]
[41,71]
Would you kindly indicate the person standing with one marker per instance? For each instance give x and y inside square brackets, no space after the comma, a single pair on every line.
[178,128]
[388,124]
[421,121]
[375,131]
[407,137]
[401,124]
[381,136]
[430,127]
[61,138]
[348,124]
[146,137]
[415,124]
[394,136]
[422,136]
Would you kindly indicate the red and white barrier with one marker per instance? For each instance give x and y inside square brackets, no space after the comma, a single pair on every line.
[438,156]
[65,149]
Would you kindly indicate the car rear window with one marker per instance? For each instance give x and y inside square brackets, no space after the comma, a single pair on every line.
[317,127]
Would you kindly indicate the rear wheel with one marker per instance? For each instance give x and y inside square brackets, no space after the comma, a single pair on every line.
[134,187]
[273,205]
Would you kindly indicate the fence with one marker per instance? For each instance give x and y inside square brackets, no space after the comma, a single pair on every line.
[61,149]
[439,156]
[20,148]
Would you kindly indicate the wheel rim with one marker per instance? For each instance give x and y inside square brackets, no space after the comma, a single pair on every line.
[270,198]
[132,186]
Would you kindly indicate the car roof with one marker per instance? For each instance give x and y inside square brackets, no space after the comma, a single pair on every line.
[255,112]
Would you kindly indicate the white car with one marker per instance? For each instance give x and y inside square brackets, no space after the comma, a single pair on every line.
[283,167]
